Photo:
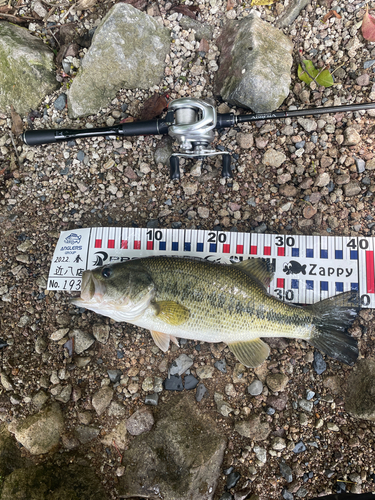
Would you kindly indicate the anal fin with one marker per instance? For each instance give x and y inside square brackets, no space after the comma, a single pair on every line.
[161,340]
[251,353]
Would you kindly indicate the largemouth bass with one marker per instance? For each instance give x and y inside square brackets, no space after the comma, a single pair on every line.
[199,300]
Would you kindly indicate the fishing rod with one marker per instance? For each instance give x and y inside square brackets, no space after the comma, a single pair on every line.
[191,122]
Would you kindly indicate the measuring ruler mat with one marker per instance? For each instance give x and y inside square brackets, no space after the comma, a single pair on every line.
[307,268]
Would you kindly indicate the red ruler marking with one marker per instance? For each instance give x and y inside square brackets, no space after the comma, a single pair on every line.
[226,248]
[239,249]
[111,243]
[150,245]
[281,251]
[98,244]
[137,245]
[280,283]
[253,250]
[267,251]
[124,244]
[370,278]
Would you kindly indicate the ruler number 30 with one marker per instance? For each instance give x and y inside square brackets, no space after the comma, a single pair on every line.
[363,244]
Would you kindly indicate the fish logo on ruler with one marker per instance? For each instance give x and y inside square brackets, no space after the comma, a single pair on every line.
[307,268]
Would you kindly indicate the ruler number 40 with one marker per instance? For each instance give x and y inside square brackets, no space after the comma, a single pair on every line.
[363,244]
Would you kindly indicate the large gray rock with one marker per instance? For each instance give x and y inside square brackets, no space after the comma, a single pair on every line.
[27,70]
[179,459]
[360,395]
[255,65]
[53,482]
[128,51]
[40,433]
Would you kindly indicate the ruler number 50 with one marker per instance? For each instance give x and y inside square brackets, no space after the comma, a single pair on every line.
[363,244]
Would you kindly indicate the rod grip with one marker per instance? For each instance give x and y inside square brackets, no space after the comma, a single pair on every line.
[37,137]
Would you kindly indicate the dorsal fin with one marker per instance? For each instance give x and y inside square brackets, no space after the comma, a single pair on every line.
[258,269]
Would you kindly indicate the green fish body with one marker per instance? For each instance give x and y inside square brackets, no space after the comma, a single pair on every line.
[199,300]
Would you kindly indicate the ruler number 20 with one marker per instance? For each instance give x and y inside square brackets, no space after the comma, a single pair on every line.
[363,244]
[221,237]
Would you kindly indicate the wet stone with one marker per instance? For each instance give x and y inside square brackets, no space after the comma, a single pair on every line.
[286,472]
[319,364]
[221,365]
[173,383]
[201,391]
[190,382]
[233,479]
[255,388]
[152,399]
[114,375]
[299,448]
[310,395]
[287,495]
[180,365]
[361,165]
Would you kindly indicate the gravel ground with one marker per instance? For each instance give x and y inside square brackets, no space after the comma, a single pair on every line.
[326,186]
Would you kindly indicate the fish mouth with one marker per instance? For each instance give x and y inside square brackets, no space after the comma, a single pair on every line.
[92,290]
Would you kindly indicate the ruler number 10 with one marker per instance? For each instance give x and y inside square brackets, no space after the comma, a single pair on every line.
[157,235]
[363,244]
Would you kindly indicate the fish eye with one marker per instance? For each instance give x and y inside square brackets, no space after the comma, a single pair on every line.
[107,272]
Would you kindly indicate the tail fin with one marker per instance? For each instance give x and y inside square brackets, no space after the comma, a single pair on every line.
[333,317]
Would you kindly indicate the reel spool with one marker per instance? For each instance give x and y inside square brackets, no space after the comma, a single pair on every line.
[193,128]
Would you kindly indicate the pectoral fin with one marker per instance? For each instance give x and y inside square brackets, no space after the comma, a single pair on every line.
[172,313]
[161,340]
[251,353]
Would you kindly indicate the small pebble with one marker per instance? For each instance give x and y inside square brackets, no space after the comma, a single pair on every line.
[255,388]
[299,448]
[221,365]
[319,364]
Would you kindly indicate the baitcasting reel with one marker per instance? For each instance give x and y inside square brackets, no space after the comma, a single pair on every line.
[191,122]
[193,128]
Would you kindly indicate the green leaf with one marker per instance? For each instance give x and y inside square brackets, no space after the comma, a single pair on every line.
[323,78]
